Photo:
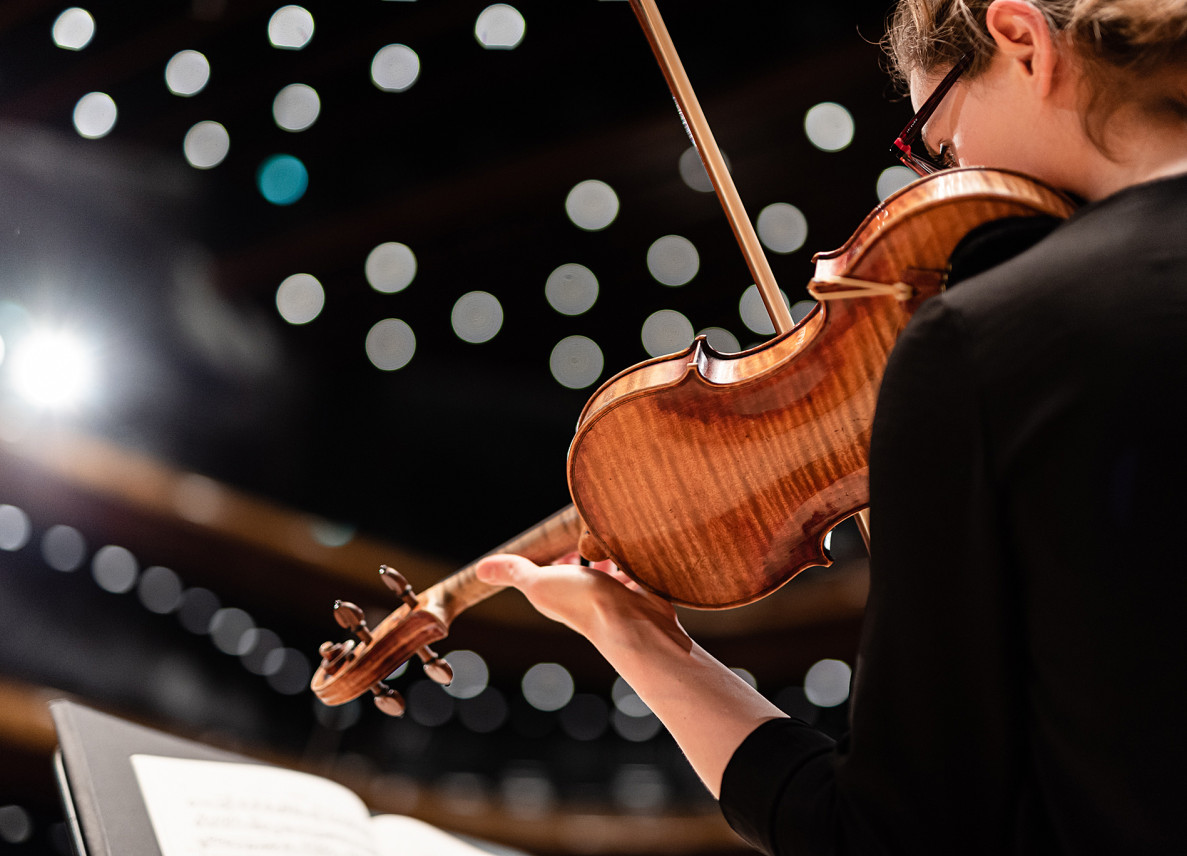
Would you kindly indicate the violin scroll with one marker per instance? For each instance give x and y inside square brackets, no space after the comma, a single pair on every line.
[348,669]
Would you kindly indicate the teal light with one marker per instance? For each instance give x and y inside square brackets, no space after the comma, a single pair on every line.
[282,179]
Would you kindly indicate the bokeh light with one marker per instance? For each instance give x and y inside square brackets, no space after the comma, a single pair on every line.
[547,686]
[571,289]
[592,205]
[290,27]
[95,115]
[827,683]
[15,528]
[390,267]
[390,344]
[53,369]
[673,260]
[296,107]
[394,68]
[74,29]
[206,144]
[159,590]
[476,317]
[115,569]
[282,179]
[576,362]
[666,332]
[63,548]
[500,27]
[16,825]
[187,73]
[829,126]
[300,298]
[782,227]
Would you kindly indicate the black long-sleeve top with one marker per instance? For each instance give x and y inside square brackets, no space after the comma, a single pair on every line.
[1021,685]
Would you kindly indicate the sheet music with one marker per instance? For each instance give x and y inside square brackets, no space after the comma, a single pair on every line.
[212,808]
[398,835]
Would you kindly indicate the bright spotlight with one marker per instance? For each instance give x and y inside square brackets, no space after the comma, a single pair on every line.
[52,369]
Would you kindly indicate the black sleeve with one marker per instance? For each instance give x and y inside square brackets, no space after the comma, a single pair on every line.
[933,643]
[804,757]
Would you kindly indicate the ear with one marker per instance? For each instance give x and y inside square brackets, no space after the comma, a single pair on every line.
[1024,38]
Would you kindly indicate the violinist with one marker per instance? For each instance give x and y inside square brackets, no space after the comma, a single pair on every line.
[1020,685]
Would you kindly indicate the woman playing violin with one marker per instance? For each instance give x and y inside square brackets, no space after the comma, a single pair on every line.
[1020,684]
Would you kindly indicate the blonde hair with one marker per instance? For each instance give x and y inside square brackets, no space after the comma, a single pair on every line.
[1129,51]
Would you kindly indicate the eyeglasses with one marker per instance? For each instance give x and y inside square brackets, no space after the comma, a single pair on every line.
[922,162]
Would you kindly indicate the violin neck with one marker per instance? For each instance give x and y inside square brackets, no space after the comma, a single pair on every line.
[547,541]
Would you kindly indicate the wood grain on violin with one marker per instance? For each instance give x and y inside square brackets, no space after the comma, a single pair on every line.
[712,479]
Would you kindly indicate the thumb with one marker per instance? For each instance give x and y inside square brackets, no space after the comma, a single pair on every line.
[503,569]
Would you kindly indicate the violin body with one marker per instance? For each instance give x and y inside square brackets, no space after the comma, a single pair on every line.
[712,479]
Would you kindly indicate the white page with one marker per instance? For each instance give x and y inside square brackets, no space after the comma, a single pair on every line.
[398,835]
[215,808]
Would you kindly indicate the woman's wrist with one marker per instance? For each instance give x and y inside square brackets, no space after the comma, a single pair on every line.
[625,625]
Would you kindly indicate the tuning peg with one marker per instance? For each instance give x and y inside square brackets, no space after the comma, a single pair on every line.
[388,700]
[351,617]
[435,667]
[333,654]
[395,581]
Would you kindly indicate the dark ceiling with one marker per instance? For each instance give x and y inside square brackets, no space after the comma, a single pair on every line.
[173,271]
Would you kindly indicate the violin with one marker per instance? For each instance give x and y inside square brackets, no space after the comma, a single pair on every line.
[712,479]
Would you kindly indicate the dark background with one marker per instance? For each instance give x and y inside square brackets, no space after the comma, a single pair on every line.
[469,167]
[173,271]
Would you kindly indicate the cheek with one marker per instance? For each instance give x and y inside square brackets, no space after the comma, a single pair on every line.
[993,130]
[972,149]
[982,139]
